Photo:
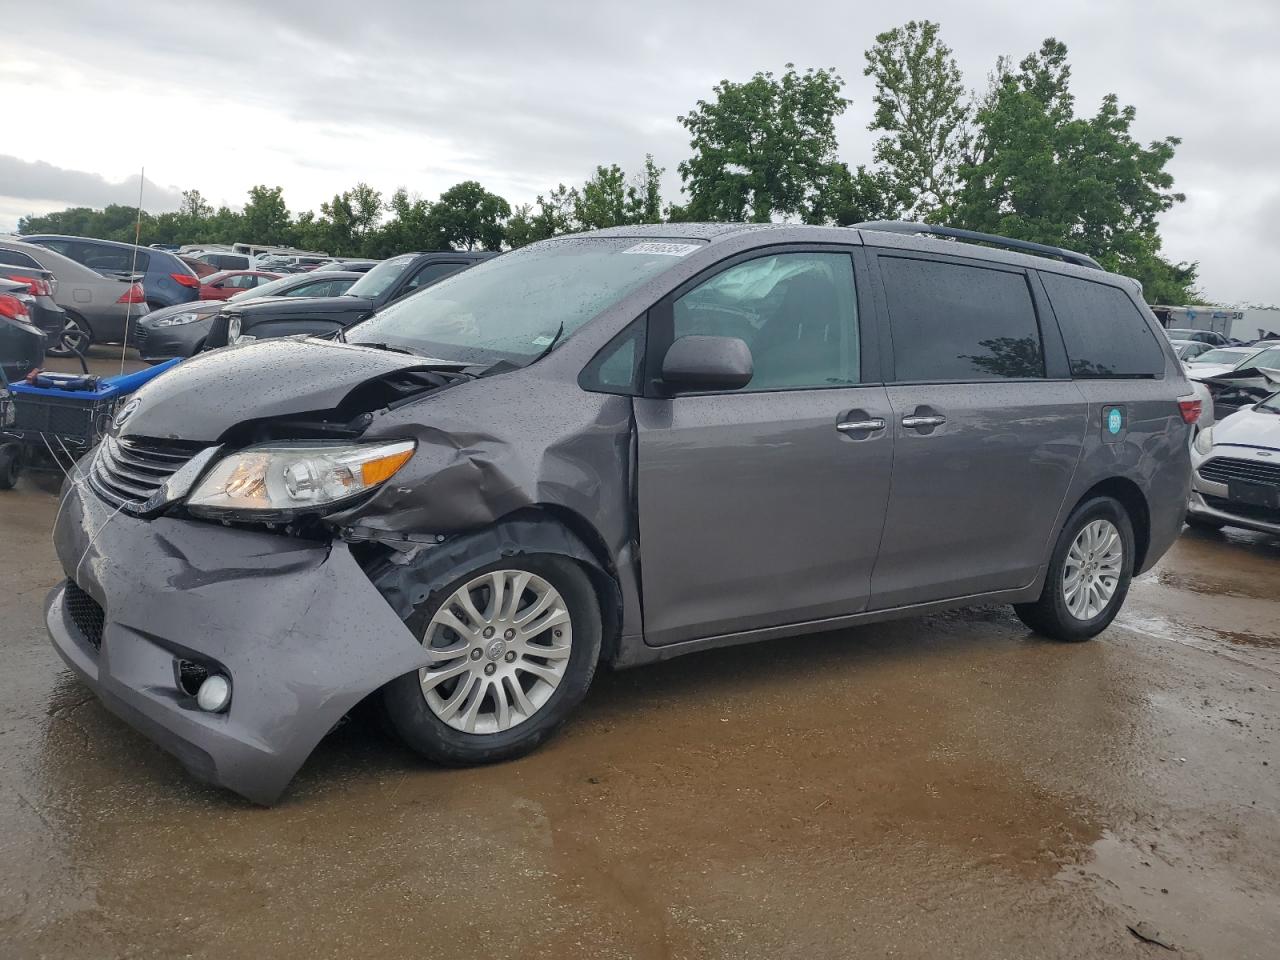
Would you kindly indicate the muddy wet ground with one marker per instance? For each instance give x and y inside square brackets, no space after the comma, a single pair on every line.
[943,787]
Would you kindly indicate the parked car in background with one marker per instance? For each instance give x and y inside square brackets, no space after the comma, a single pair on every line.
[226,261]
[1189,349]
[387,282]
[22,344]
[41,284]
[199,267]
[1237,471]
[359,266]
[166,280]
[181,331]
[1253,378]
[224,284]
[607,450]
[1201,336]
[1217,360]
[97,308]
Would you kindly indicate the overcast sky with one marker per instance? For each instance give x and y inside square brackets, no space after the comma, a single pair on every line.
[315,95]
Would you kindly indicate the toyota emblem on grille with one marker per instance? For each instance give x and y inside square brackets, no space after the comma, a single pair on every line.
[125,413]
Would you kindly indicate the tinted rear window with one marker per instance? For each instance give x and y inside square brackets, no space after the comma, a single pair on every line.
[1105,333]
[952,322]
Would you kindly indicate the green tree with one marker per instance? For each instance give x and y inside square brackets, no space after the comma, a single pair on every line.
[763,148]
[265,218]
[854,196]
[603,199]
[644,194]
[922,110]
[549,215]
[469,216]
[1041,173]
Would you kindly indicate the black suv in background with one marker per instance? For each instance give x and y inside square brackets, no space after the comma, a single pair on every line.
[320,316]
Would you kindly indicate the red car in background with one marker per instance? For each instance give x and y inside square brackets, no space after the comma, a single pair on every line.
[227,283]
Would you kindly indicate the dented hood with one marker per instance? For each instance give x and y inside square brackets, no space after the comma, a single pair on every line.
[1249,428]
[201,398]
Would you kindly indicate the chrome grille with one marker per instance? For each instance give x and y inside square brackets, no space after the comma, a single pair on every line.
[1232,469]
[126,472]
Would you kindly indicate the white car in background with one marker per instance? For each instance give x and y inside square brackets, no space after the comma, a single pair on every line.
[1236,471]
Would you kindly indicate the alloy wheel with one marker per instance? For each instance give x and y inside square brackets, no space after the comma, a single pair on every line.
[499,647]
[73,339]
[1092,569]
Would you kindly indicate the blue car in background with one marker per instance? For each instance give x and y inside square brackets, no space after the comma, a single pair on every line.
[167,281]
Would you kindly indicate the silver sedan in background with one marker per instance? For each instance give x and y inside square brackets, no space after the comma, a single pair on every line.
[98,308]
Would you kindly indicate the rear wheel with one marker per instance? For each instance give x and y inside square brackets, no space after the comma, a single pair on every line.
[1088,576]
[512,647]
[76,337]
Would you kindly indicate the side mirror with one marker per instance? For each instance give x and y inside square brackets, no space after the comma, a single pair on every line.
[707,363]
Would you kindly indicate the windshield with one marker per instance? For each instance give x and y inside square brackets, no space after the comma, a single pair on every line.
[1270,405]
[1176,334]
[378,280]
[511,307]
[1219,356]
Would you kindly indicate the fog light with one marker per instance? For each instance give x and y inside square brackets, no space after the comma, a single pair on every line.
[214,694]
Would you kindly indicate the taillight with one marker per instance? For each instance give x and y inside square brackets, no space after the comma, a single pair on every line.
[36,286]
[133,295]
[12,308]
[186,280]
[1190,409]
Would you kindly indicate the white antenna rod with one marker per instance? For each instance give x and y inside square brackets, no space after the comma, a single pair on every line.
[133,269]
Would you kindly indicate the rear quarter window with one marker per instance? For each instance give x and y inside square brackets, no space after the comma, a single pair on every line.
[1105,333]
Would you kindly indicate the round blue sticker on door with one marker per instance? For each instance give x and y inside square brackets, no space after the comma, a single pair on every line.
[1115,420]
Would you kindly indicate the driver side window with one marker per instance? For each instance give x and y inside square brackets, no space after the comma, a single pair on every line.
[796,311]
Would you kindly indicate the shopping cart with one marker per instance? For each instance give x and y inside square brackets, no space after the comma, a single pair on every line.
[49,420]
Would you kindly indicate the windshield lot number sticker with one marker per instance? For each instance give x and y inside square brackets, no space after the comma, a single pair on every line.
[666,249]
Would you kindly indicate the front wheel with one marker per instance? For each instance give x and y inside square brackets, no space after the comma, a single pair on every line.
[512,646]
[1088,576]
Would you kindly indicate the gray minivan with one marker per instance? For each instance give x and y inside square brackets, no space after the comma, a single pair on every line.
[613,448]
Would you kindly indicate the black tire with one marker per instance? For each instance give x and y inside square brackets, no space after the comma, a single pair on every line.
[1049,615]
[1208,524]
[76,337]
[419,727]
[10,466]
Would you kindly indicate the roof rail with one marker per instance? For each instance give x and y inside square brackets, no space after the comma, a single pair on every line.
[1025,246]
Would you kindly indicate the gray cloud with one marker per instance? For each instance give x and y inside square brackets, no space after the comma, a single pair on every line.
[42,184]
[522,96]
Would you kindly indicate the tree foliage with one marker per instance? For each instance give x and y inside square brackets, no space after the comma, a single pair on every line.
[922,110]
[764,148]
[1040,172]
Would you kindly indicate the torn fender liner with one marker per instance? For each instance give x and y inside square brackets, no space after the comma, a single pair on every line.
[296,624]
[427,570]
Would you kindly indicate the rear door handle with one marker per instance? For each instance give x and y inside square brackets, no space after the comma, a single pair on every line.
[860,426]
[923,421]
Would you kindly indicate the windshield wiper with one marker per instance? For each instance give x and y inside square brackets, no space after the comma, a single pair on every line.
[506,366]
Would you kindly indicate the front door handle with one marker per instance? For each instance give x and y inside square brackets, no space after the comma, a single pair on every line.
[860,426]
[934,421]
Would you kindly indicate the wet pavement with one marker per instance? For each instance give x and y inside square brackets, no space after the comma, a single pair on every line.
[951,786]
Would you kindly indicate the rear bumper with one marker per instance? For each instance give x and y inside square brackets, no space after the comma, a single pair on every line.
[296,625]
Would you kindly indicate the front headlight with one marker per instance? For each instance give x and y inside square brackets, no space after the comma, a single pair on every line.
[288,479]
[177,320]
[1204,441]
[233,330]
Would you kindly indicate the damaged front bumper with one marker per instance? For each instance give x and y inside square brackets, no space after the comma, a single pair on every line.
[296,625]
